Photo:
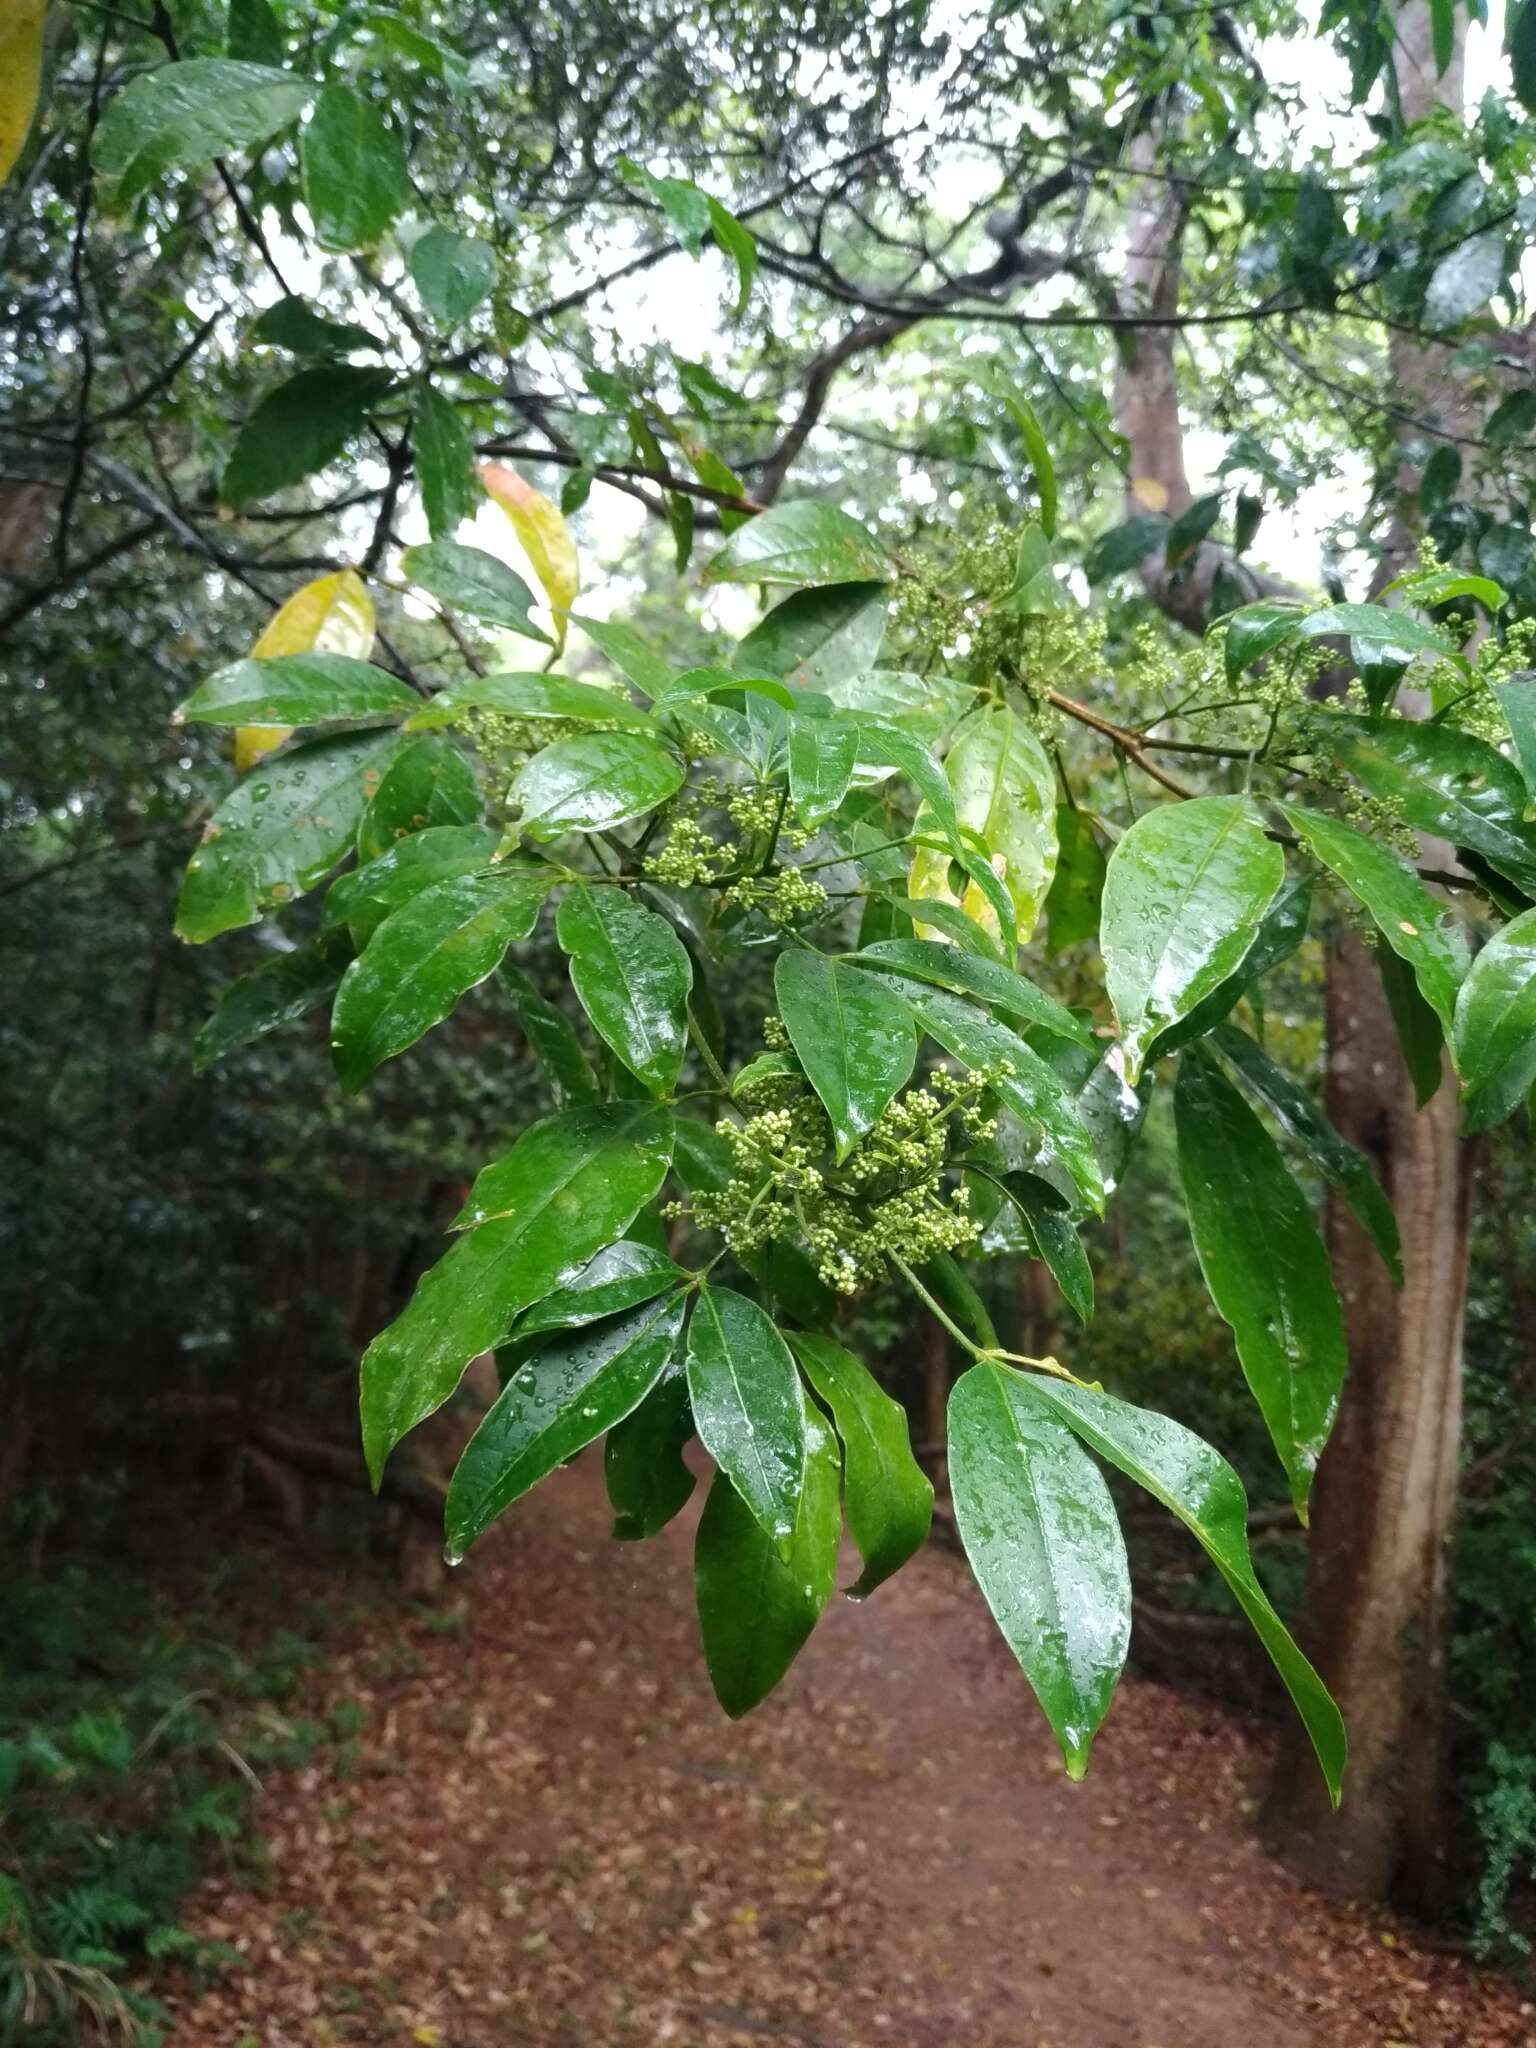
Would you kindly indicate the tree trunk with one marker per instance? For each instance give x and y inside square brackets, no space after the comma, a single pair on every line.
[1386,1486]
[1385,1493]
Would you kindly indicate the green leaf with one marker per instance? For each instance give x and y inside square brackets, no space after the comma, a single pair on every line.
[354,170]
[253,33]
[1377,634]
[968,974]
[554,1041]
[279,992]
[748,1407]
[1126,546]
[1465,280]
[182,116]
[531,697]
[1055,1240]
[1442,15]
[630,653]
[469,580]
[721,682]
[296,689]
[299,428]
[1511,420]
[452,274]
[943,917]
[648,1483]
[591,782]
[853,1036]
[799,542]
[1520,41]
[1040,1531]
[428,782]
[291,324]
[621,1277]
[1282,930]
[1200,1488]
[1190,529]
[1034,591]
[1334,1157]
[633,976]
[1038,454]
[1185,893]
[279,832]
[557,1402]
[423,957]
[1005,794]
[759,1599]
[445,466]
[569,1186]
[738,243]
[1411,921]
[817,637]
[1494,1038]
[888,1497]
[363,899]
[1076,894]
[1034,1094]
[1517,700]
[1258,629]
[1420,1035]
[685,206]
[822,752]
[1264,1264]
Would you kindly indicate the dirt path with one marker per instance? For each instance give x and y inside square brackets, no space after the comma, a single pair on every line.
[551,1836]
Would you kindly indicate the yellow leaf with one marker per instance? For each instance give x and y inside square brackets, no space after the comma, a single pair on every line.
[332,615]
[21,75]
[1146,490]
[543,536]
[428,2037]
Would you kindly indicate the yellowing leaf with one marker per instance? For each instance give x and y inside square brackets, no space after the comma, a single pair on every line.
[1005,794]
[544,537]
[21,73]
[332,615]
[1146,490]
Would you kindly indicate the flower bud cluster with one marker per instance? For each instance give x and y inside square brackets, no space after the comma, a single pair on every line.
[688,857]
[894,1197]
[784,897]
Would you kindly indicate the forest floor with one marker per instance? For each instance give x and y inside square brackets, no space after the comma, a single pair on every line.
[547,1836]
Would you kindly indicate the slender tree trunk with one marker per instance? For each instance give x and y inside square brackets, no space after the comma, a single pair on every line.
[1386,1486]
[1385,1493]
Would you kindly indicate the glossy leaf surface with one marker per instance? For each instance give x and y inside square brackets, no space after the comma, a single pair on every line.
[816,637]
[544,537]
[469,580]
[557,1401]
[1185,893]
[1196,1484]
[800,542]
[423,957]
[758,1599]
[1340,1162]
[1043,1540]
[621,1277]
[531,697]
[970,974]
[363,898]
[1494,1033]
[278,993]
[569,1186]
[299,428]
[647,1481]
[822,752]
[633,976]
[1413,923]
[886,1494]
[1074,899]
[1264,1264]
[748,1407]
[427,782]
[279,832]
[445,464]
[1444,781]
[181,116]
[593,781]
[297,689]
[852,1034]
[452,274]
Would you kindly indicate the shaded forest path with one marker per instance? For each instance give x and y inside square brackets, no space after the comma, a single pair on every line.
[549,1835]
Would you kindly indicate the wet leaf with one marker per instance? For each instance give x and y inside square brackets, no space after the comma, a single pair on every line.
[888,1498]
[818,637]
[591,782]
[971,974]
[296,689]
[363,899]
[452,274]
[800,542]
[1043,1540]
[1264,1264]
[748,1407]
[278,993]
[1184,896]
[544,538]
[469,580]
[353,167]
[853,1036]
[529,698]
[423,957]
[428,782]
[648,1483]
[179,117]
[569,1186]
[633,976]
[1494,1035]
